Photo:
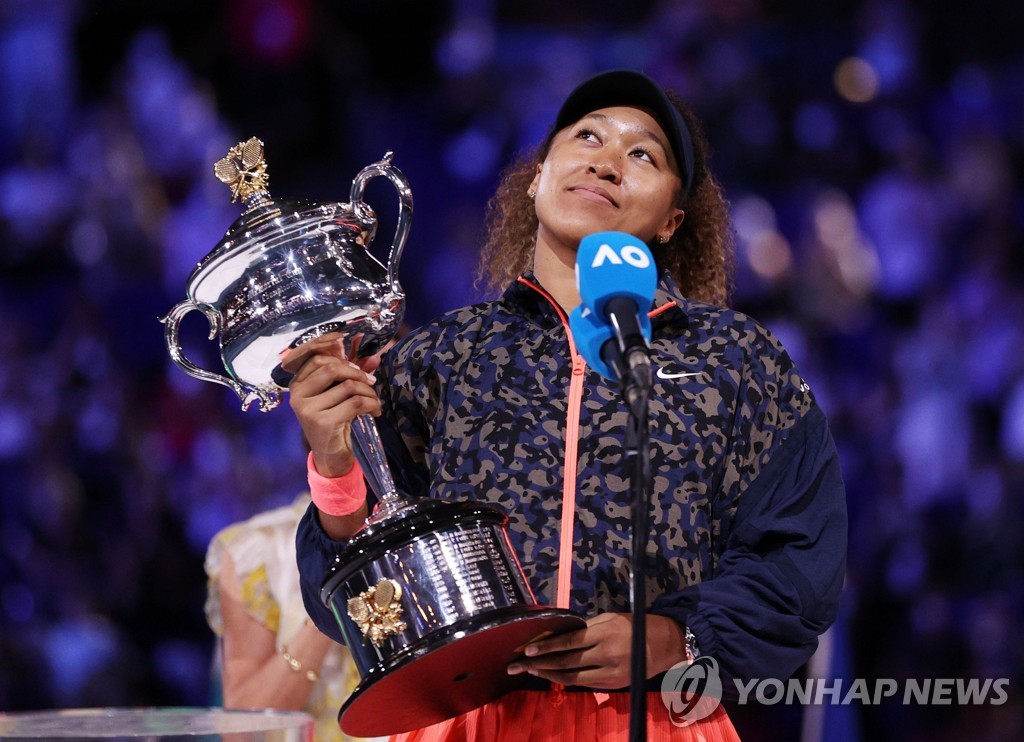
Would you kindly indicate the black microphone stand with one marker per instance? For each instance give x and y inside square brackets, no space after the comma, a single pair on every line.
[635,383]
[638,439]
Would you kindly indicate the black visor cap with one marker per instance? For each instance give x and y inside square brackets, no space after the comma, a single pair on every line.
[630,88]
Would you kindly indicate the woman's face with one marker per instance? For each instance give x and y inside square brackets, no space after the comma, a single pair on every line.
[611,170]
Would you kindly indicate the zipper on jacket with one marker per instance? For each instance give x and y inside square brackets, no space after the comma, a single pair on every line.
[572,440]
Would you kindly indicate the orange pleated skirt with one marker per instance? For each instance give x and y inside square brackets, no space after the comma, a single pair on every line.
[546,716]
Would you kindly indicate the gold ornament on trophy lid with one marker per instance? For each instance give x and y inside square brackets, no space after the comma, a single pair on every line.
[245,171]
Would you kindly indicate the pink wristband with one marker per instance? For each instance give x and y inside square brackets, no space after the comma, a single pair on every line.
[342,495]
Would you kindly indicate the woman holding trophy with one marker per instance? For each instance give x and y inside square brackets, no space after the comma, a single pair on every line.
[493,403]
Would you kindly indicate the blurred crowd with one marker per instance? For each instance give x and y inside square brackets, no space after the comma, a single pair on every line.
[870,150]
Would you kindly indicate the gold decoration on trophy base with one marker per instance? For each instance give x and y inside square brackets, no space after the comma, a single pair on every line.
[377,611]
[244,169]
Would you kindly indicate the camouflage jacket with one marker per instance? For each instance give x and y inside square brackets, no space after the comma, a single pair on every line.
[748,526]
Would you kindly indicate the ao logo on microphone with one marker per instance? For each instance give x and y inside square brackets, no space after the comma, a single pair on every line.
[636,256]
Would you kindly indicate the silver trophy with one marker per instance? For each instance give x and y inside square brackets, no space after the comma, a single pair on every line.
[429,596]
[287,272]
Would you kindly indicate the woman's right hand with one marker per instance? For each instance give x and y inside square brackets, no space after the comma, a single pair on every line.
[327,392]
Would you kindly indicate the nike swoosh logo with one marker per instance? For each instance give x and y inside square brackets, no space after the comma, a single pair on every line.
[663,375]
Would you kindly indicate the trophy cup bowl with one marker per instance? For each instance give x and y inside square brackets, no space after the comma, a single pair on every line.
[287,272]
[430,597]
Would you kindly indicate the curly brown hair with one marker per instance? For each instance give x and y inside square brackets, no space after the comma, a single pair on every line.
[700,256]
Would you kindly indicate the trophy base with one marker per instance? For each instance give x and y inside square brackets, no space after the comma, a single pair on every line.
[455,673]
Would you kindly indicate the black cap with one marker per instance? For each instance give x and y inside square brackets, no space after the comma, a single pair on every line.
[630,88]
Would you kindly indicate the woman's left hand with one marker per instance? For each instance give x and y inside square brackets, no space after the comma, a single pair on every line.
[598,656]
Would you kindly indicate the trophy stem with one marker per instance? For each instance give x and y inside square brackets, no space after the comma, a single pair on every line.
[369,452]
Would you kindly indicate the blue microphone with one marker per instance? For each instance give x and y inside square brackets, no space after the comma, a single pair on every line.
[616,277]
[595,341]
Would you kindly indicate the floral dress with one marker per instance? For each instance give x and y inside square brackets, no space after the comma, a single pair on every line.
[263,551]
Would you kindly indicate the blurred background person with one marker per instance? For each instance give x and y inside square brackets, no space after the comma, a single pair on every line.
[270,655]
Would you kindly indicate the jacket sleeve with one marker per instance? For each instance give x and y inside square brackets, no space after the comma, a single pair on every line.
[315,552]
[776,586]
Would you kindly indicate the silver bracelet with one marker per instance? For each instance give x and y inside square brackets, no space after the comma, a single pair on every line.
[692,650]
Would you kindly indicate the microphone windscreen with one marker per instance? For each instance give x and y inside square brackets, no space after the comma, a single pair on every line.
[590,334]
[615,264]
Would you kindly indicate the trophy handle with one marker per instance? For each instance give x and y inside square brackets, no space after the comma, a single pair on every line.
[385,168]
[267,397]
